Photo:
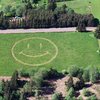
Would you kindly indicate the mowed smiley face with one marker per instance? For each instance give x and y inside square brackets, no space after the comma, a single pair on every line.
[35,51]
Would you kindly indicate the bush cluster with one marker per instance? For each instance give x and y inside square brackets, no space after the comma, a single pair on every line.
[89,74]
[10,90]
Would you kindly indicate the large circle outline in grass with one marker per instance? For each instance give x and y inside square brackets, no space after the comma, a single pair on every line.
[24,63]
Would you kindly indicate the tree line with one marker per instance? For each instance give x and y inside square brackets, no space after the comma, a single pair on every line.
[49,16]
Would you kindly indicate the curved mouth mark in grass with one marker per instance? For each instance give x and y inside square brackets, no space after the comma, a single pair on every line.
[35,56]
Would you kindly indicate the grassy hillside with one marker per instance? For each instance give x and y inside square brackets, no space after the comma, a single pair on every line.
[73,49]
[83,6]
[80,6]
[15,2]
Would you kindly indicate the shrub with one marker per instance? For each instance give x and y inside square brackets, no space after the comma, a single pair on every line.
[64,72]
[14,80]
[80,98]
[53,73]
[70,98]
[32,72]
[93,97]
[97,32]
[81,27]
[70,94]
[74,71]
[24,73]
[86,76]
[87,93]
[1,98]
[15,95]
[22,96]
[52,6]
[37,93]
[94,75]
[28,88]
[80,73]
[38,80]
[49,74]
[78,83]
[69,83]
[10,90]
[56,96]
[1,88]
[44,73]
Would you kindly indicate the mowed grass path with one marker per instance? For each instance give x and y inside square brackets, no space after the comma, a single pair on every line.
[83,6]
[74,49]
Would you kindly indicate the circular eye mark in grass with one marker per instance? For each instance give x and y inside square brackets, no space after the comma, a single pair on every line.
[35,51]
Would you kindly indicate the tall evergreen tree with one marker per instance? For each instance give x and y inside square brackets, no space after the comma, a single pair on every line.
[14,81]
[81,27]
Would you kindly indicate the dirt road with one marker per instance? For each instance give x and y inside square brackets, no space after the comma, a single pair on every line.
[70,29]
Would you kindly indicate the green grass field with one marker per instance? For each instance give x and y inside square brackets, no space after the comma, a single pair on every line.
[83,6]
[73,49]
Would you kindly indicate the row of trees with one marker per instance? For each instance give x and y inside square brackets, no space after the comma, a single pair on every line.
[46,19]
[88,74]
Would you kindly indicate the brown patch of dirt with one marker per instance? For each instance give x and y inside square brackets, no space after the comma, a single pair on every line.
[81,94]
[31,98]
[95,88]
[60,86]
[5,78]
[8,78]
